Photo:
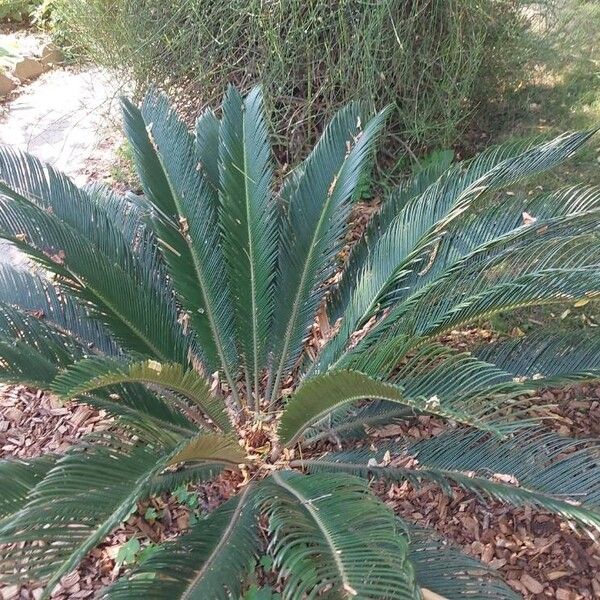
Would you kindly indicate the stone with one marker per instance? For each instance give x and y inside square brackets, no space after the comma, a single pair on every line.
[7,84]
[51,55]
[28,68]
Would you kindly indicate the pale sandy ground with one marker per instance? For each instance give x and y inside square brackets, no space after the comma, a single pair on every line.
[67,117]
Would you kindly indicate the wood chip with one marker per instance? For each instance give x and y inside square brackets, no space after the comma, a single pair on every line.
[535,587]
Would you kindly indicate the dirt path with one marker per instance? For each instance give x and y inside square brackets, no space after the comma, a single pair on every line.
[69,118]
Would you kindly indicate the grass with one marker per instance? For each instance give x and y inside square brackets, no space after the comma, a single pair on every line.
[426,57]
[562,89]
[561,93]
[122,172]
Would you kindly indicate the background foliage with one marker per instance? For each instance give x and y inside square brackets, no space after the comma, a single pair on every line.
[428,57]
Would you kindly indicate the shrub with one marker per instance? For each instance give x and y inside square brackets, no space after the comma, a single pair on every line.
[17,10]
[185,314]
[31,12]
[427,57]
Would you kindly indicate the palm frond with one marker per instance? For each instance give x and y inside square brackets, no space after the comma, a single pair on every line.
[198,472]
[207,562]
[129,214]
[530,162]
[533,468]
[54,192]
[392,205]
[529,468]
[412,239]
[248,224]
[332,533]
[85,495]
[207,141]
[548,357]
[444,569]
[93,374]
[37,296]
[32,352]
[313,227]
[478,232]
[185,223]
[19,477]
[446,378]
[211,448]
[322,394]
[351,421]
[141,409]
[546,285]
[557,262]
[102,272]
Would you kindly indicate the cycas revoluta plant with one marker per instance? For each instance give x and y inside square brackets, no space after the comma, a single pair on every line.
[184,313]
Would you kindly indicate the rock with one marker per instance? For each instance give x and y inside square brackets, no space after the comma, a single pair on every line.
[7,84]
[51,55]
[28,68]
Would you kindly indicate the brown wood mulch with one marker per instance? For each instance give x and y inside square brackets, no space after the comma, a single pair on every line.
[540,556]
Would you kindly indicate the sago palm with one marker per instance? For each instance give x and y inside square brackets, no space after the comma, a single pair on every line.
[185,314]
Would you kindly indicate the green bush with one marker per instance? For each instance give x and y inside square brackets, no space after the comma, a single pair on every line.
[33,12]
[424,56]
[17,10]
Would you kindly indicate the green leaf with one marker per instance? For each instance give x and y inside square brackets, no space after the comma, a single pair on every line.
[211,448]
[451,379]
[128,552]
[385,279]
[80,501]
[182,494]
[31,352]
[547,357]
[378,225]
[207,562]
[145,553]
[543,264]
[207,143]
[408,249]
[90,375]
[444,569]
[331,532]
[531,468]
[19,477]
[35,295]
[262,593]
[248,224]
[477,232]
[351,421]
[322,394]
[59,226]
[534,468]
[266,562]
[185,222]
[313,227]
[151,514]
